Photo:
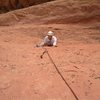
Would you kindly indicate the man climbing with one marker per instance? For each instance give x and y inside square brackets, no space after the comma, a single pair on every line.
[49,40]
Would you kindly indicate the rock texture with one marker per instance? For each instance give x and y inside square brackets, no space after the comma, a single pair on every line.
[58,11]
[7,5]
[25,76]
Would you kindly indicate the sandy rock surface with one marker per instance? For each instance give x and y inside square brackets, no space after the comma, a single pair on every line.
[25,76]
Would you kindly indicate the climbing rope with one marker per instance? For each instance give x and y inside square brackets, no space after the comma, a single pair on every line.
[46,51]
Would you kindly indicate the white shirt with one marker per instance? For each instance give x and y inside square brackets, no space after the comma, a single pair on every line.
[53,41]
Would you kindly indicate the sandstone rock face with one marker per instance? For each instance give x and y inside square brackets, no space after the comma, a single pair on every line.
[55,12]
[7,5]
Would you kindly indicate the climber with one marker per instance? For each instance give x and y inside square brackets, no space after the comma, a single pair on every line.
[49,40]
